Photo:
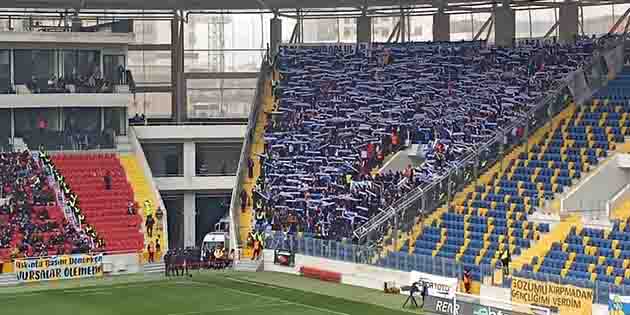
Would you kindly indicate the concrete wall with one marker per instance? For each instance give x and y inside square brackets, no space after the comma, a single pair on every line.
[64,39]
[598,188]
[353,274]
[181,133]
[374,277]
[121,264]
[197,183]
[65,100]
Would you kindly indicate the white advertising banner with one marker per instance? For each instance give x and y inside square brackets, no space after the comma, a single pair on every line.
[438,286]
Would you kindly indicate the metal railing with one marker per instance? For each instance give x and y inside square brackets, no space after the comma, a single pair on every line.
[446,267]
[441,191]
[241,172]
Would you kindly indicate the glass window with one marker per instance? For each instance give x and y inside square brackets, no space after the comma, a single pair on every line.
[347,30]
[219,83]
[35,64]
[223,60]
[479,19]
[217,159]
[227,31]
[5,71]
[382,27]
[5,129]
[227,102]
[80,63]
[152,32]
[82,119]
[421,28]
[40,126]
[115,121]
[114,67]
[321,31]
[27,121]
[461,27]
[150,67]
[522,24]
[153,105]
[165,159]
[288,25]
[542,21]
[598,19]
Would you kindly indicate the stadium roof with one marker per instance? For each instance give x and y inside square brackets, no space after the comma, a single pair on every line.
[240,4]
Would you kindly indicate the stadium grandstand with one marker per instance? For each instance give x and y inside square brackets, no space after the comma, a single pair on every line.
[317,157]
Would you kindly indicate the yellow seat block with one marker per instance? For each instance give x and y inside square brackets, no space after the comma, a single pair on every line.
[565,246]
[593,276]
[609,270]
[591,267]
[564,272]
[618,280]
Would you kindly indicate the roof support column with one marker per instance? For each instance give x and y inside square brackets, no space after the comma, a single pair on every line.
[275,36]
[568,22]
[364,29]
[504,25]
[441,27]
[178,96]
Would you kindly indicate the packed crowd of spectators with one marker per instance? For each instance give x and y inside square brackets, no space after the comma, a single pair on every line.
[31,221]
[340,112]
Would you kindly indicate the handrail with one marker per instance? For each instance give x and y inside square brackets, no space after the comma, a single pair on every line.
[414,196]
[245,152]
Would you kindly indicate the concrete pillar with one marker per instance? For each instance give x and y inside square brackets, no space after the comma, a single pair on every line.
[441,27]
[505,26]
[275,35]
[568,22]
[174,66]
[364,29]
[189,160]
[190,220]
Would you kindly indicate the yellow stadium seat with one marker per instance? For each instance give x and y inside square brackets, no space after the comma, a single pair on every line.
[593,276]
[601,260]
[618,280]
[591,267]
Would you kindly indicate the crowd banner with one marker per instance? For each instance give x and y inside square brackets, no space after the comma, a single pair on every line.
[284,258]
[579,88]
[618,304]
[567,299]
[443,306]
[442,287]
[58,267]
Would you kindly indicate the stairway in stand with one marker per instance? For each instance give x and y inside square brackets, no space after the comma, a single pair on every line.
[143,192]
[246,216]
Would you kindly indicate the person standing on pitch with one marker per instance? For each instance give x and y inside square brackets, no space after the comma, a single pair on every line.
[166,258]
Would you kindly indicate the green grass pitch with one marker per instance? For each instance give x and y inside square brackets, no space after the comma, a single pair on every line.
[213,293]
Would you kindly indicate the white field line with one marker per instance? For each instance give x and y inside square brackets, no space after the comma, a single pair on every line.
[233,308]
[92,288]
[271,298]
